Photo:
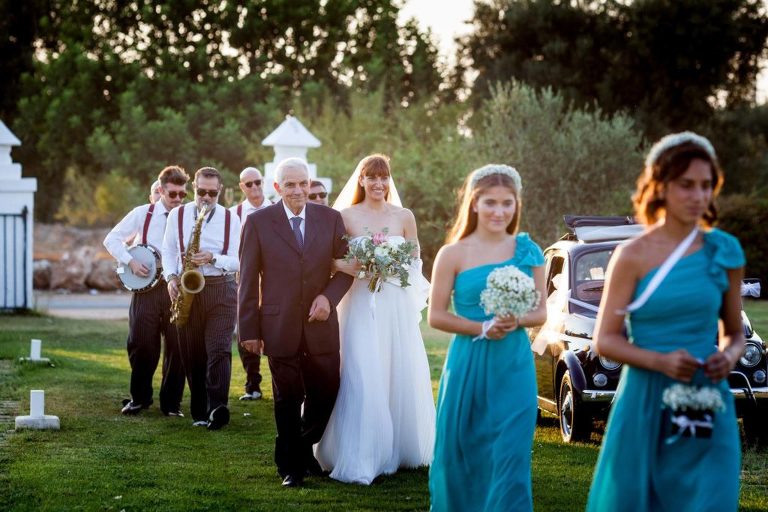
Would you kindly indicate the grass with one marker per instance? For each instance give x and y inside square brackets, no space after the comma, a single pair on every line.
[101,460]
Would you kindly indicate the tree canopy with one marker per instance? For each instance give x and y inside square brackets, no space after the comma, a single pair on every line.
[669,63]
[123,86]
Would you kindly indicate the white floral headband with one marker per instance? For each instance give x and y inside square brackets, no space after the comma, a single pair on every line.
[676,139]
[491,169]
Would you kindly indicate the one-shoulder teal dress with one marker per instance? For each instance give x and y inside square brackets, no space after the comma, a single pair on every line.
[486,407]
[641,466]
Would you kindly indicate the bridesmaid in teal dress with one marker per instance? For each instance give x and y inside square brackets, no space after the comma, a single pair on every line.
[672,339]
[486,408]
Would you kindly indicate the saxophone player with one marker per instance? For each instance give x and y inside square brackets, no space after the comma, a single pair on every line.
[205,339]
[148,316]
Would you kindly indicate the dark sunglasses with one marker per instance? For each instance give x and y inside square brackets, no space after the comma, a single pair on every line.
[202,192]
[174,194]
[321,195]
[254,182]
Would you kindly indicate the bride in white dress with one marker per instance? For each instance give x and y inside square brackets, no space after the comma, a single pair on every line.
[384,417]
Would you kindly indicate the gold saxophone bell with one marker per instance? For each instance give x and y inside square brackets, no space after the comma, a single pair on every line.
[192,282]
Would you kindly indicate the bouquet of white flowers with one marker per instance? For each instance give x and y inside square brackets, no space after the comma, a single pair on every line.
[693,409]
[508,291]
[380,258]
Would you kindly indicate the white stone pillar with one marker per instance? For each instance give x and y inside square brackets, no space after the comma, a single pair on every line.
[290,139]
[17,204]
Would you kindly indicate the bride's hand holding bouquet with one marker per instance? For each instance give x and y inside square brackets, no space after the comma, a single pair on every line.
[380,257]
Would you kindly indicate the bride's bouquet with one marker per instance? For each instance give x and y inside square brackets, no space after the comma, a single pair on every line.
[693,410]
[508,291]
[381,257]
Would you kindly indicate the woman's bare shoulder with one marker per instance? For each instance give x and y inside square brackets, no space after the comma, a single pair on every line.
[454,251]
[403,213]
[633,253]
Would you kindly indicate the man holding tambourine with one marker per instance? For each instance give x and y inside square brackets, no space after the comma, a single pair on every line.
[135,242]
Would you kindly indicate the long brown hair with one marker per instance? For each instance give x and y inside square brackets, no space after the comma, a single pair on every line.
[466,218]
[648,200]
[375,165]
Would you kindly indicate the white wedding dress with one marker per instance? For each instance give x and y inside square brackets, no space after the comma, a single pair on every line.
[384,417]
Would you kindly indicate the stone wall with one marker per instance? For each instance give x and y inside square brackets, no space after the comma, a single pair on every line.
[73,259]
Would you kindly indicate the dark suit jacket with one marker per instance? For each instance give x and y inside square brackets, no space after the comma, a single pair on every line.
[278,282]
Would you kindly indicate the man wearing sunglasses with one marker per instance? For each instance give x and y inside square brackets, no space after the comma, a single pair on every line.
[251,183]
[317,193]
[206,338]
[149,314]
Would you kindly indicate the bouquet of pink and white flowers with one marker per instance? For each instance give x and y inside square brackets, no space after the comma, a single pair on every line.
[381,257]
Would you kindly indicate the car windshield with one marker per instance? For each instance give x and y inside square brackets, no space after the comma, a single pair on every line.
[589,275]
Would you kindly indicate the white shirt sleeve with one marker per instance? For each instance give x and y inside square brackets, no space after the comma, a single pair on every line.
[171,258]
[124,233]
[231,261]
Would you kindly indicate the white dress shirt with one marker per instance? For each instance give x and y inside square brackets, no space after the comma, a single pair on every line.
[211,240]
[248,208]
[128,231]
[302,214]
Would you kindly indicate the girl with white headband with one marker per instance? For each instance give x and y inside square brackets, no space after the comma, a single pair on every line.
[677,281]
[486,406]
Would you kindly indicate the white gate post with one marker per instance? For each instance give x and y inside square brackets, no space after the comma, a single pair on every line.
[17,195]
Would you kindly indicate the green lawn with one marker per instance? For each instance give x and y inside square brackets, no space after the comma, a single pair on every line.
[101,460]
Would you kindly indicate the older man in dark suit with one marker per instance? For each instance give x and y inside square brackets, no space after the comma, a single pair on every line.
[287,309]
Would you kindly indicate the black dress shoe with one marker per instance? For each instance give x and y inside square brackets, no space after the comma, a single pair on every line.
[314,469]
[218,418]
[293,481]
[131,408]
[146,405]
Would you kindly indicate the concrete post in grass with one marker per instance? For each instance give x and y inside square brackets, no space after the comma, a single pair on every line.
[35,349]
[37,419]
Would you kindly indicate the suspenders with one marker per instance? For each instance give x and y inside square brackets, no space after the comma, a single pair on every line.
[227,215]
[227,220]
[146,224]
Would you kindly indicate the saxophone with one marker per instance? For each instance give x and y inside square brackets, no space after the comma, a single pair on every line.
[192,280]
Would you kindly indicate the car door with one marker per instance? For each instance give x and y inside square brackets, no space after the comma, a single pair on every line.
[545,346]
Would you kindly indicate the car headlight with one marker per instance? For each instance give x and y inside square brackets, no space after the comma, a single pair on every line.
[610,364]
[751,356]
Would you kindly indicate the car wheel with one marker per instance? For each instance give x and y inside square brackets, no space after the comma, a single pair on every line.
[575,425]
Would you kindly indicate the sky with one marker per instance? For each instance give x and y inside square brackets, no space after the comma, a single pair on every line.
[446,19]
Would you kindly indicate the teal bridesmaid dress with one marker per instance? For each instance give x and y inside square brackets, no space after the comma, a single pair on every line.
[642,467]
[486,407]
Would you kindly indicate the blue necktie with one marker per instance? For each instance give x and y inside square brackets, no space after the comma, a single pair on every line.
[296,221]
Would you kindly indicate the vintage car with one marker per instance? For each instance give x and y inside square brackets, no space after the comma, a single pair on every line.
[575,383]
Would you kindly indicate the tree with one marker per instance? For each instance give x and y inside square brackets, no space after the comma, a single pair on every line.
[571,161]
[669,63]
[216,71]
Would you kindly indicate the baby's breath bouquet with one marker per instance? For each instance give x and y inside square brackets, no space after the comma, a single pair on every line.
[509,291]
[693,409]
[381,257]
